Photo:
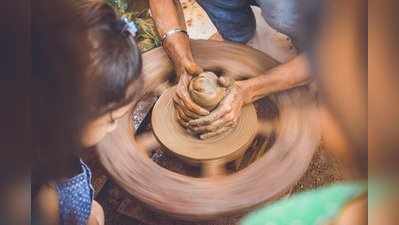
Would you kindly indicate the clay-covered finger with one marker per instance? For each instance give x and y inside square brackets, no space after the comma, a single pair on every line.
[187,113]
[181,120]
[207,120]
[231,124]
[181,114]
[215,133]
[210,128]
[194,108]
[193,69]
[189,131]
[190,114]
[227,120]
[179,104]
[225,81]
[184,100]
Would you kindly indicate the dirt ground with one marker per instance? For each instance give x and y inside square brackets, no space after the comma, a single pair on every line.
[324,169]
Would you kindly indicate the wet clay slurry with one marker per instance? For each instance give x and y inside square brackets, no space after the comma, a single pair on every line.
[297,137]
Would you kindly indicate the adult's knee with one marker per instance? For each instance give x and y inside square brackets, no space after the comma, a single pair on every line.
[233,19]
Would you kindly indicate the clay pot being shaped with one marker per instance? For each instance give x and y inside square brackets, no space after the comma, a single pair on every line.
[205,90]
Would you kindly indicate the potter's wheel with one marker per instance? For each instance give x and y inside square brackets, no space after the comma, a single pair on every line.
[296,130]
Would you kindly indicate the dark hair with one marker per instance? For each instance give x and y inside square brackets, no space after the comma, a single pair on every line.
[115,60]
[82,65]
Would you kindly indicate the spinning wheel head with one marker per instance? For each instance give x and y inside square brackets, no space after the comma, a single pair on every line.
[226,146]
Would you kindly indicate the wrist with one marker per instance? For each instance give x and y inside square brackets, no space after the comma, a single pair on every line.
[169,34]
[178,47]
[246,91]
[182,67]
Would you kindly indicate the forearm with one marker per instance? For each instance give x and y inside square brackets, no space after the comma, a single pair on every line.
[168,14]
[292,74]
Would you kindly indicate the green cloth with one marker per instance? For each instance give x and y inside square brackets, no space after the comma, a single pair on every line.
[313,207]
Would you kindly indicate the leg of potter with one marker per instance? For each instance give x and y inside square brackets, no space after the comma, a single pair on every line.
[233,18]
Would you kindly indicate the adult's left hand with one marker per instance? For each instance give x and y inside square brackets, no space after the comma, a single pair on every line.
[226,115]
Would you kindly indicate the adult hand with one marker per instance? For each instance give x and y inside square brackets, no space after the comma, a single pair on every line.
[186,109]
[226,115]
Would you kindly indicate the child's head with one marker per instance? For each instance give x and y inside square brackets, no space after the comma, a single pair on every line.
[86,71]
[114,64]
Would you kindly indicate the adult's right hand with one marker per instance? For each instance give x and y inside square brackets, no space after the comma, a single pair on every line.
[168,15]
[186,109]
